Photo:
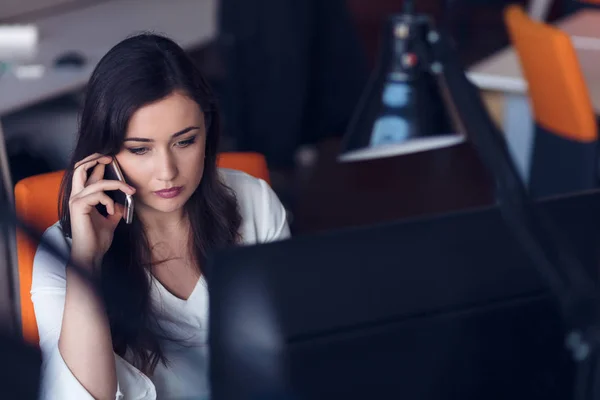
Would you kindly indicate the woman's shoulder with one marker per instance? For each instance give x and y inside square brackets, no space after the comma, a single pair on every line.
[263,216]
[252,194]
[50,258]
[239,180]
[55,237]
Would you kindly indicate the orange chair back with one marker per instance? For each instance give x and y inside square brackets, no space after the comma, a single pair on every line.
[36,202]
[557,88]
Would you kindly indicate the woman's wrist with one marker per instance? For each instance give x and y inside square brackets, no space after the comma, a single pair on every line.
[83,272]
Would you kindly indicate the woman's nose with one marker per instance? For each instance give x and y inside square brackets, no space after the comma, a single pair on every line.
[166,167]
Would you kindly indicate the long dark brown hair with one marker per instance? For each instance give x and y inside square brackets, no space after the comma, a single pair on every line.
[136,72]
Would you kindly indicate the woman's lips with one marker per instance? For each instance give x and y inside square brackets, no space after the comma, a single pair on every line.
[169,193]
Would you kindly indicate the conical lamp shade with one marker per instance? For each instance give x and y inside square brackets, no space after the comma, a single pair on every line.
[402,110]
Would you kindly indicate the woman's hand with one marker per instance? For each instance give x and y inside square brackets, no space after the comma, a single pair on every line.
[92,233]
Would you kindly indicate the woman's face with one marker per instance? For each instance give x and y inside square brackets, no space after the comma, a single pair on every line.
[163,153]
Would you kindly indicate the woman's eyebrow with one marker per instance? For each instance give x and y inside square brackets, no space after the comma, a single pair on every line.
[176,134]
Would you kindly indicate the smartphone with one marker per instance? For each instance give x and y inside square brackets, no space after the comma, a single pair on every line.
[113,171]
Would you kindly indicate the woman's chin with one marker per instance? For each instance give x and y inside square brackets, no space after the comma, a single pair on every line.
[170,208]
[163,206]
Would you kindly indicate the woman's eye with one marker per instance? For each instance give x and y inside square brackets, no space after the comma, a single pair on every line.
[185,143]
[138,150]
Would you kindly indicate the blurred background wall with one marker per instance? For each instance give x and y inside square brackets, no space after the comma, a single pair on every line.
[16,8]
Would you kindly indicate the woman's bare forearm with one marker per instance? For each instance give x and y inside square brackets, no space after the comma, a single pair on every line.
[85,342]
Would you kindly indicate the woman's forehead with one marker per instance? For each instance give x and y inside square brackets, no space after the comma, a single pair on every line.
[164,118]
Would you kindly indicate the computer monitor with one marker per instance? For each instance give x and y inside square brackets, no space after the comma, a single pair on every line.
[446,307]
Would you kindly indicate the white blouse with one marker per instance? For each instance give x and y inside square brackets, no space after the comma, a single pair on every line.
[186,376]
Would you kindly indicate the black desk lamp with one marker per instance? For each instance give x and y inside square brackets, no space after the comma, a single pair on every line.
[400,113]
[402,110]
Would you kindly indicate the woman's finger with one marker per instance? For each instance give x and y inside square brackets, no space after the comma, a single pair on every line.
[97,174]
[80,174]
[119,211]
[106,185]
[87,204]
[89,158]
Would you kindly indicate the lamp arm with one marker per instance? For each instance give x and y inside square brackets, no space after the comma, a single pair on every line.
[549,251]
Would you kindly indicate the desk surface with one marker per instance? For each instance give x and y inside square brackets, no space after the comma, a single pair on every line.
[584,28]
[93,30]
[502,71]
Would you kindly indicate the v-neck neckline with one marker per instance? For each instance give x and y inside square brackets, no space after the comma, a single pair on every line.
[162,288]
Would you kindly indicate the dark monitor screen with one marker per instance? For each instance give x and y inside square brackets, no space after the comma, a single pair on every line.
[446,307]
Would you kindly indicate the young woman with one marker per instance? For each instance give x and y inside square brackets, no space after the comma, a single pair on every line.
[143,335]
